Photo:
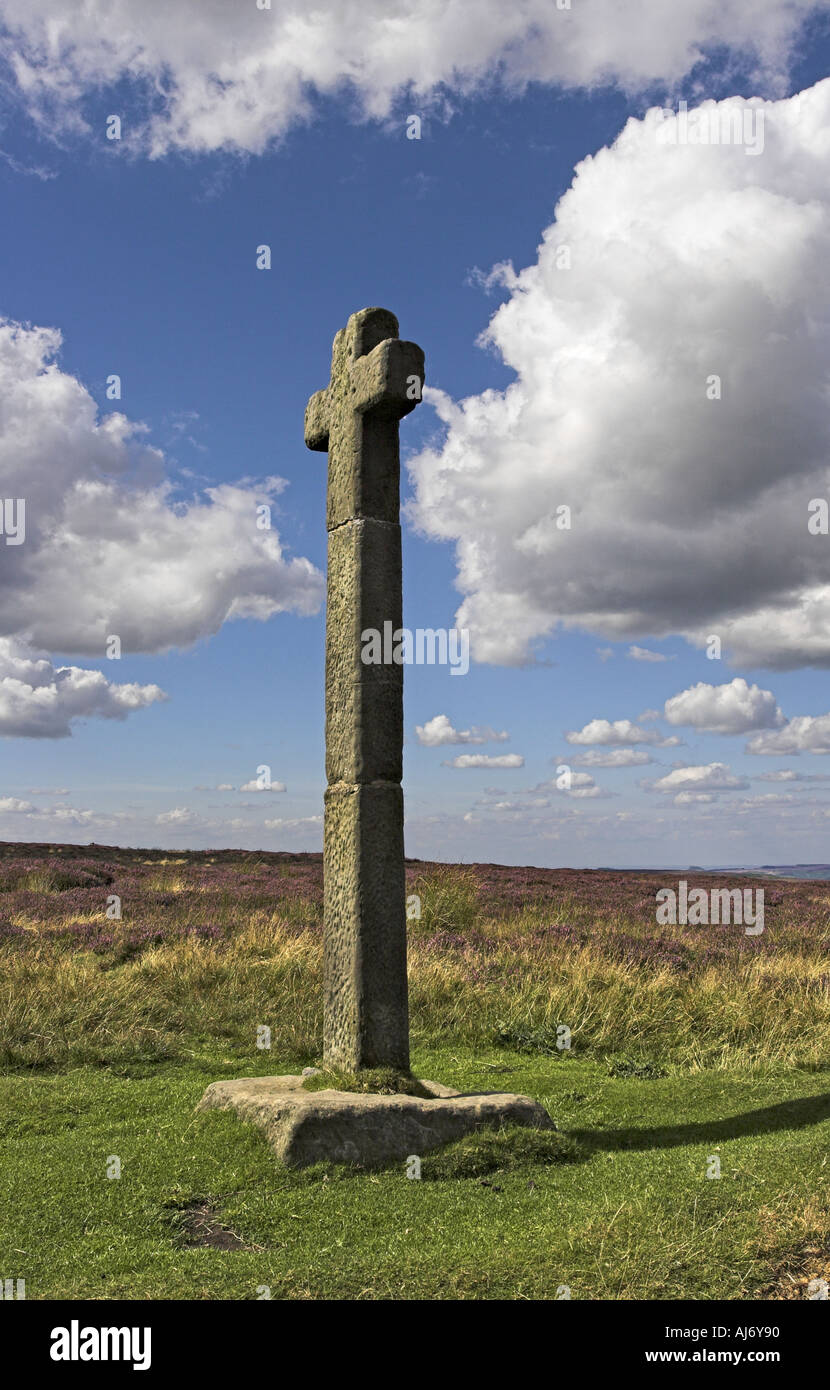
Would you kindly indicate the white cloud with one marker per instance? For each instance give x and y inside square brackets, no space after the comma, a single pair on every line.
[693,799]
[72,815]
[180,815]
[218,76]
[61,815]
[486,760]
[255,787]
[512,807]
[687,261]
[619,731]
[770,801]
[108,549]
[804,734]
[39,700]
[303,823]
[711,777]
[583,785]
[439,731]
[735,708]
[615,757]
[788,775]
[643,654]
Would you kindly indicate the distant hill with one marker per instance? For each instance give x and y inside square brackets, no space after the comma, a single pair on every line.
[796,870]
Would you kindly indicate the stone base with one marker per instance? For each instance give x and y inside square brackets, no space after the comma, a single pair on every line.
[306,1127]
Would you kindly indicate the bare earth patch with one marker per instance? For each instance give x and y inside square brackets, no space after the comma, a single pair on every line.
[806,1275]
[197,1225]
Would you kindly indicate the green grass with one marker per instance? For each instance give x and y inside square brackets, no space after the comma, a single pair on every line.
[621,1210]
[380,1081]
[683,1046]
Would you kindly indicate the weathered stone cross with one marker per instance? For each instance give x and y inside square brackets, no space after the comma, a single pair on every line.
[375,380]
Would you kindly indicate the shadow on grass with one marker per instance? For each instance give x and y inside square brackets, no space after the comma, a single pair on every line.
[790,1114]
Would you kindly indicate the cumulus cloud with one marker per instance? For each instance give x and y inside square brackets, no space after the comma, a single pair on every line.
[615,757]
[685,262]
[439,731]
[619,731]
[255,787]
[39,700]
[735,708]
[73,815]
[486,760]
[205,75]
[804,734]
[60,815]
[711,777]
[583,785]
[579,785]
[108,547]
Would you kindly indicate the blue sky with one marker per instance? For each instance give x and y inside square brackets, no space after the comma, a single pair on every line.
[141,254]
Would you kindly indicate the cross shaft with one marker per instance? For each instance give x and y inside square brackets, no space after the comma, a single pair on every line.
[376,379]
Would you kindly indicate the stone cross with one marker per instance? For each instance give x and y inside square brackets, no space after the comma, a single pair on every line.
[375,380]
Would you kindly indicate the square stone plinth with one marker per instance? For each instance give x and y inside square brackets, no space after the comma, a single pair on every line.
[305,1127]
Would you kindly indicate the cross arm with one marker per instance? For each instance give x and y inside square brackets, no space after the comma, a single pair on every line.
[389,379]
[317,422]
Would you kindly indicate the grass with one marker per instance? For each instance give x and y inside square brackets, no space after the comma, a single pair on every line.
[684,1045]
[629,1213]
[380,1081]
